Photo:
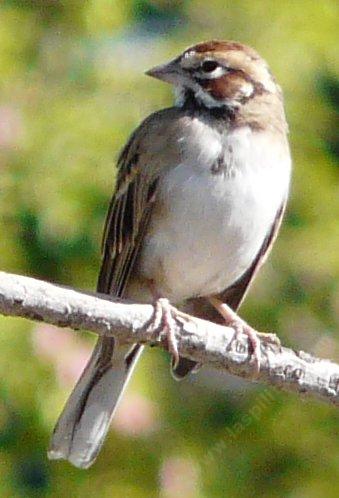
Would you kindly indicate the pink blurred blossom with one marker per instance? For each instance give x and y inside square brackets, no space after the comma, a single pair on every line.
[49,341]
[63,350]
[11,127]
[70,366]
[136,416]
[179,477]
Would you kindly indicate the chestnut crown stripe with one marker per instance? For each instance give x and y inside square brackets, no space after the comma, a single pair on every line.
[224,46]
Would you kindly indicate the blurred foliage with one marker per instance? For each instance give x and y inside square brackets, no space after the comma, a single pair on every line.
[71,91]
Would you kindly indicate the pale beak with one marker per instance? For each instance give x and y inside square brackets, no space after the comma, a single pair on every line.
[170,72]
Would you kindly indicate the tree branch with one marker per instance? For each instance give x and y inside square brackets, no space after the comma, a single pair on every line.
[205,342]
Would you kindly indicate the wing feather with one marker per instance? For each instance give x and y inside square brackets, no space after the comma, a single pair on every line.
[126,222]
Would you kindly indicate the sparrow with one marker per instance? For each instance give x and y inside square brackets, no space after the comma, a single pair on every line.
[200,195]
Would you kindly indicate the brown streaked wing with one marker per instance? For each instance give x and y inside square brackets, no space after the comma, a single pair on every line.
[234,295]
[125,226]
[140,164]
[126,222]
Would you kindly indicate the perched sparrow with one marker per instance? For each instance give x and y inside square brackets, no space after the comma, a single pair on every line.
[200,195]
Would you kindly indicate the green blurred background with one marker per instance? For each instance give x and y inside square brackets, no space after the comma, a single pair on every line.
[71,90]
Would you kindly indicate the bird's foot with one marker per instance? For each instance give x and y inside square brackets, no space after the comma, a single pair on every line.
[255,339]
[164,319]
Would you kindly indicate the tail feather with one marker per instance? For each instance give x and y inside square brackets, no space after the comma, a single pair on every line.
[85,420]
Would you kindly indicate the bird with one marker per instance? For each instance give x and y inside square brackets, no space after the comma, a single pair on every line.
[200,195]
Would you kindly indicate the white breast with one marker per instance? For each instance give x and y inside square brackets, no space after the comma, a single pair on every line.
[211,226]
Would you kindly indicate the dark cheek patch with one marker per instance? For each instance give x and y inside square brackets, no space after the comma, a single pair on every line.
[225,87]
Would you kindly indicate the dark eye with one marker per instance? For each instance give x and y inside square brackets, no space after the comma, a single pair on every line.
[209,66]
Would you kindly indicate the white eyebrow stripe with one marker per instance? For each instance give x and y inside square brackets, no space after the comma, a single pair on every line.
[218,71]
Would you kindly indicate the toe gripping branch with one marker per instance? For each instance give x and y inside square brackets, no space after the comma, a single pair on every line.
[163,324]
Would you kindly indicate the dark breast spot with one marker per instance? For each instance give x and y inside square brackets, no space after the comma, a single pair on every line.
[223,165]
[218,167]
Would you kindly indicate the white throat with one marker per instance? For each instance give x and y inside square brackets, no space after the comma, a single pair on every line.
[203,98]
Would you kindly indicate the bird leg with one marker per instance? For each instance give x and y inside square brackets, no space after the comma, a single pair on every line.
[241,327]
[164,319]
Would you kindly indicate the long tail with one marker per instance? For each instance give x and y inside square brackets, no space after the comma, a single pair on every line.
[84,422]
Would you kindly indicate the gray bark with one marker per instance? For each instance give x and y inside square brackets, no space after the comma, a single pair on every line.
[205,342]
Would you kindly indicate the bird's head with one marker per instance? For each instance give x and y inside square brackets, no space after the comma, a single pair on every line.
[218,74]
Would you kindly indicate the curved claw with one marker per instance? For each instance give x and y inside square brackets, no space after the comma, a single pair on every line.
[255,339]
[241,328]
[164,316]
